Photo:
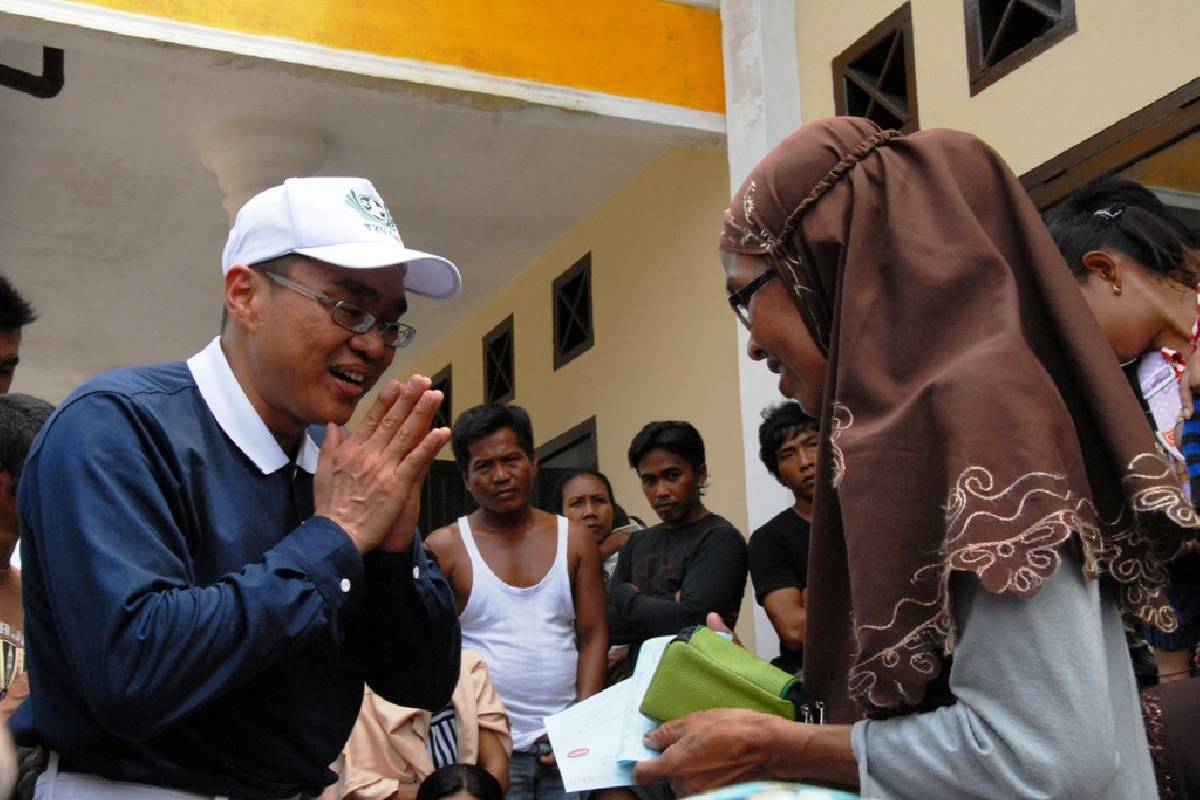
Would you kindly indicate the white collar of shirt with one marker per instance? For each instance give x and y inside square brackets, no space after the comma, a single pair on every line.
[237,417]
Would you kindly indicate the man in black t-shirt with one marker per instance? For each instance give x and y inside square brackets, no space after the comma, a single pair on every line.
[671,575]
[779,549]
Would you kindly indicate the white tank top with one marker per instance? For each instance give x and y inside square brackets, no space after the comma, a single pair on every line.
[526,635]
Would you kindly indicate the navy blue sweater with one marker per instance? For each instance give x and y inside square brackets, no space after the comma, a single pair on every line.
[189,623]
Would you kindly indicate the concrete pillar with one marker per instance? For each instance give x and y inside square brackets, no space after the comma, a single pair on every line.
[762,106]
[251,154]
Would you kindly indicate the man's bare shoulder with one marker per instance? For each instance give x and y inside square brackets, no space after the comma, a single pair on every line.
[445,537]
[581,545]
[543,520]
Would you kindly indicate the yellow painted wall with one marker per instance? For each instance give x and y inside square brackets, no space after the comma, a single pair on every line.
[646,49]
[665,342]
[1123,57]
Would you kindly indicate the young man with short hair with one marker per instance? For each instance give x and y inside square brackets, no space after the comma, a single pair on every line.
[528,587]
[15,314]
[671,575]
[787,442]
[205,589]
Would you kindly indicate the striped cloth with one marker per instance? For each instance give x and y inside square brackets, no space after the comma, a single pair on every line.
[443,738]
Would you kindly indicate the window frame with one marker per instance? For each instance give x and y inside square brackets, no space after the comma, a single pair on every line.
[557,292]
[504,329]
[979,75]
[899,22]
[1142,133]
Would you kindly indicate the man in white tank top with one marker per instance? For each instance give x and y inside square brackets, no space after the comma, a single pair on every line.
[529,590]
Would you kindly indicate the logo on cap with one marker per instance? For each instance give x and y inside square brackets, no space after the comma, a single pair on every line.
[375,215]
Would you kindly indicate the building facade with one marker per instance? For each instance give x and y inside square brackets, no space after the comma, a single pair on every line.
[573,159]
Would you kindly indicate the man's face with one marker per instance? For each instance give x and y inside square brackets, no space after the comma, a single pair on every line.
[797,458]
[10,345]
[500,473]
[305,368]
[670,484]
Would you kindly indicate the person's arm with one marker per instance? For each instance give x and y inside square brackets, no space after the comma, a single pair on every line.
[104,511]
[1033,716]
[495,743]
[493,757]
[715,580]
[18,690]
[619,631]
[613,543]
[787,610]
[412,627]
[371,766]
[778,586]
[101,509]
[591,624]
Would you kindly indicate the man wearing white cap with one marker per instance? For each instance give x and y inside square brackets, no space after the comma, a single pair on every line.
[206,589]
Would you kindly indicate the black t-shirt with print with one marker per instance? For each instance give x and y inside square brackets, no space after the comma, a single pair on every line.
[680,574]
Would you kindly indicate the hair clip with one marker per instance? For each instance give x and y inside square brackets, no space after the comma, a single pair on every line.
[1108,213]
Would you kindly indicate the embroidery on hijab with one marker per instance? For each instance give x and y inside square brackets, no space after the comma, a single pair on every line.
[750,231]
[841,418]
[974,500]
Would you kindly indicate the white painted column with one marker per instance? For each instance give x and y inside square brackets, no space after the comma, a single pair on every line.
[762,106]
[251,154]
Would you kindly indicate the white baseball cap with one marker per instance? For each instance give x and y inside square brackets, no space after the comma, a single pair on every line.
[341,221]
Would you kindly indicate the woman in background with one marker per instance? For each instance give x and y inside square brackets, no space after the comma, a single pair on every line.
[586,496]
[1137,267]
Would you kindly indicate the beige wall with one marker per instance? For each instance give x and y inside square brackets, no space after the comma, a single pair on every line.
[665,345]
[1122,57]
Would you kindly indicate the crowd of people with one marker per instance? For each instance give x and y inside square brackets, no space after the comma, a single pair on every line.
[224,592]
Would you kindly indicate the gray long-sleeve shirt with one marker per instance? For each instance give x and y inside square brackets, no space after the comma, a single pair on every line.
[1047,705]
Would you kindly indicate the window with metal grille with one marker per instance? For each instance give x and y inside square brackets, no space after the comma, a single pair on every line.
[1004,34]
[874,77]
[442,382]
[572,297]
[499,384]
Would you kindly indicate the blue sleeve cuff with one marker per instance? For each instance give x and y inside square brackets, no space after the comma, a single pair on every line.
[325,553]
[408,574]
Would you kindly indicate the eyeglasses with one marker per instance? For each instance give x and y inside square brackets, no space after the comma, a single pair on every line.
[351,317]
[739,301]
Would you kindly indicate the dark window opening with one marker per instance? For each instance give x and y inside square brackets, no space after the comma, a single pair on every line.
[499,383]
[444,497]
[874,77]
[572,296]
[443,383]
[1004,34]
[567,452]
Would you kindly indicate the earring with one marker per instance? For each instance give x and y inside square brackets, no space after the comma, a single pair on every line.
[1117,289]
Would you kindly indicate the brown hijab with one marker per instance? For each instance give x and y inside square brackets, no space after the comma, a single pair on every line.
[974,418]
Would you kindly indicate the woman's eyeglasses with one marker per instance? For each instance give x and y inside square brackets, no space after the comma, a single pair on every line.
[739,301]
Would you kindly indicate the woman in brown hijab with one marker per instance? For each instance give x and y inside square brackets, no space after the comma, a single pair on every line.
[987,504]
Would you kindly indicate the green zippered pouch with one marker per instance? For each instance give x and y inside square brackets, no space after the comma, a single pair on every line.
[701,669]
